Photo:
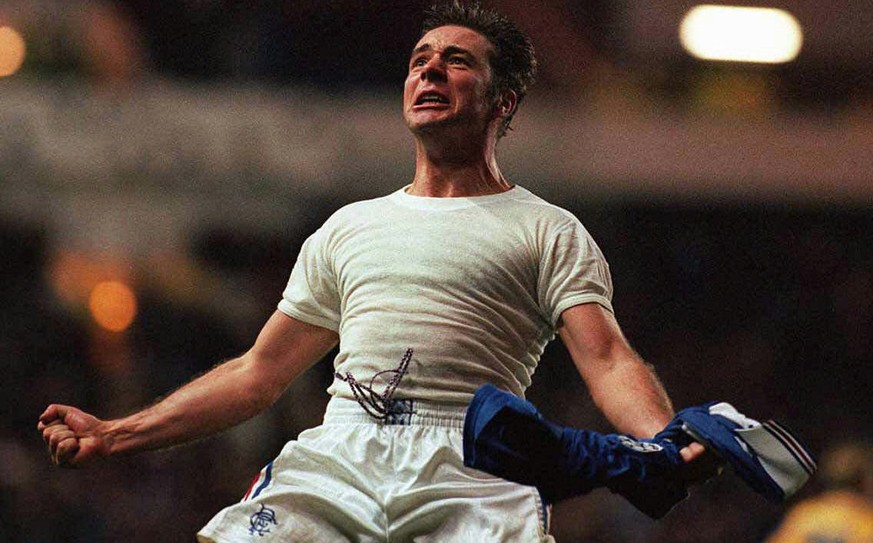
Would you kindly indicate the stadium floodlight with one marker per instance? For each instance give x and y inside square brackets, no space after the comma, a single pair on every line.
[741,34]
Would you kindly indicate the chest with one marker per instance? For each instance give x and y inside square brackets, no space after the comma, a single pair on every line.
[443,254]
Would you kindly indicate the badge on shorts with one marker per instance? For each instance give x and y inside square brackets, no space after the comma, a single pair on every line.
[260,522]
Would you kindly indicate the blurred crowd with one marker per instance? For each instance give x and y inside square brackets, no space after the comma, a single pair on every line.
[585,48]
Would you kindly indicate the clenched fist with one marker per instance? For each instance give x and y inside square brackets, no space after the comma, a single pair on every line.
[74,438]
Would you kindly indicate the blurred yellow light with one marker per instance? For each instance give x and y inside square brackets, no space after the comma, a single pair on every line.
[113,305]
[12,50]
[741,34]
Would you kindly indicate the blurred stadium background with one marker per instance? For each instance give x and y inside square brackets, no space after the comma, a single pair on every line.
[162,162]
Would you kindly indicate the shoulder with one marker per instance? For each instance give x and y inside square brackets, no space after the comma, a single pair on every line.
[544,210]
[547,219]
[355,211]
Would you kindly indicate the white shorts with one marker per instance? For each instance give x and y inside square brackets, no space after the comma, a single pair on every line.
[356,479]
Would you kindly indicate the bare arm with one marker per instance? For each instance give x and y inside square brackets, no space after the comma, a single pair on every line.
[225,396]
[621,384]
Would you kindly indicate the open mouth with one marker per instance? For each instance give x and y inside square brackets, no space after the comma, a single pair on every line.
[431,98]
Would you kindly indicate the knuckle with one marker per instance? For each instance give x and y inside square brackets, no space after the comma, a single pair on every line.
[66,450]
[60,437]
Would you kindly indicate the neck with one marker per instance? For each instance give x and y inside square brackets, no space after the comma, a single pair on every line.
[456,169]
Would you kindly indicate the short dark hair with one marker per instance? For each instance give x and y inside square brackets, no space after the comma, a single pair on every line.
[513,61]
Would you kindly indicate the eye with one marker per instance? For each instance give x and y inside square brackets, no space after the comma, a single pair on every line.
[458,60]
[418,62]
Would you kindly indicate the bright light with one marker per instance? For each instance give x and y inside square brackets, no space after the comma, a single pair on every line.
[113,305]
[12,51]
[739,34]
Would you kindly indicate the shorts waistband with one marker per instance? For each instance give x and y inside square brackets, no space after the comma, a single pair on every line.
[401,413]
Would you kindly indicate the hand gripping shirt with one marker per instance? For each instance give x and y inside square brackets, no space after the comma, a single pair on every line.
[474,286]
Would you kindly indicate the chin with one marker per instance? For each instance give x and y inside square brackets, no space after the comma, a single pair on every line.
[431,125]
[425,127]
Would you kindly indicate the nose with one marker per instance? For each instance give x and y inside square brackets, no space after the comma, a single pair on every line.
[434,70]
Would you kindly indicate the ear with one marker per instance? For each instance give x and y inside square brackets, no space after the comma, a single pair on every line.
[506,103]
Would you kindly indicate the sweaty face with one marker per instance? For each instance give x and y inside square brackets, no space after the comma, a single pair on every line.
[449,80]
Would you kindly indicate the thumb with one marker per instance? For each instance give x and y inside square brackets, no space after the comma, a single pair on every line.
[79,421]
[692,452]
[54,413]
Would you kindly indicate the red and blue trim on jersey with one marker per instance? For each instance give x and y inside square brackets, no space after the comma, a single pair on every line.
[262,480]
[791,444]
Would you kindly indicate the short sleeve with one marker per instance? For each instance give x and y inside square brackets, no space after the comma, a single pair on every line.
[573,271]
[312,294]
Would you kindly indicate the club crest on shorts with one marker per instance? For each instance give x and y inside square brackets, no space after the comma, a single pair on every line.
[639,446]
[261,521]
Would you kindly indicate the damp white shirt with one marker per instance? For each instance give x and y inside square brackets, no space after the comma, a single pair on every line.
[475,286]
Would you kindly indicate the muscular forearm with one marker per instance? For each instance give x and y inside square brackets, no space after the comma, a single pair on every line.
[623,387]
[217,400]
[223,397]
[632,397]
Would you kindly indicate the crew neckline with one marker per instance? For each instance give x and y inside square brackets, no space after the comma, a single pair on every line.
[446,203]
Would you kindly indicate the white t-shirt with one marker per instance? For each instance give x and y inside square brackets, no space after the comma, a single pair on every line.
[475,286]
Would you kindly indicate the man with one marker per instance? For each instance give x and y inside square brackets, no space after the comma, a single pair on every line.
[457,280]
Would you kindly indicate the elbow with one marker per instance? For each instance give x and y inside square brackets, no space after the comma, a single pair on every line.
[260,388]
[250,393]
[614,377]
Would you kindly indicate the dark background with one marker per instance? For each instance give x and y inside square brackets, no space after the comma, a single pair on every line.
[757,290]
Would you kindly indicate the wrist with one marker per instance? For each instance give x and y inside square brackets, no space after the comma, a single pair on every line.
[116,435]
